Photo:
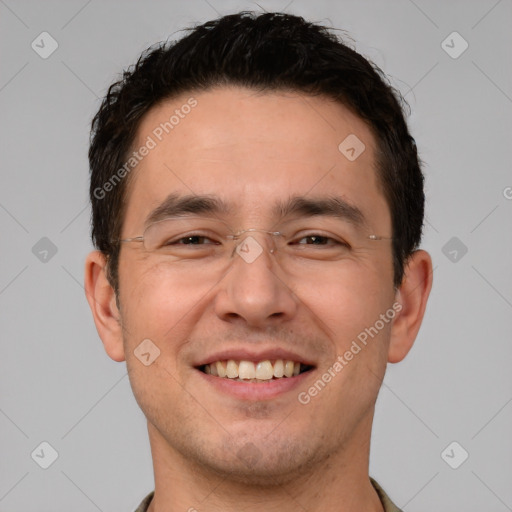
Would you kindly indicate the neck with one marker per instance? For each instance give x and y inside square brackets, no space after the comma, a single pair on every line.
[339,483]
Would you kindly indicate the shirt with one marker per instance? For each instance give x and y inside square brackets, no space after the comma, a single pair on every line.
[388,505]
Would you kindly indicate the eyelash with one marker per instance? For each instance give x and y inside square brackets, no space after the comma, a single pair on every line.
[311,235]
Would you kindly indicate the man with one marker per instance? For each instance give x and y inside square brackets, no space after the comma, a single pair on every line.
[257,205]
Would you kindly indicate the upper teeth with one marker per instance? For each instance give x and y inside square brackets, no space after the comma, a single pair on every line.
[262,370]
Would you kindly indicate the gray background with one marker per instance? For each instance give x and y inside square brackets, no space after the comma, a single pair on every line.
[57,383]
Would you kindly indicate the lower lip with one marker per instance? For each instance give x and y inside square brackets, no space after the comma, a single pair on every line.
[255,391]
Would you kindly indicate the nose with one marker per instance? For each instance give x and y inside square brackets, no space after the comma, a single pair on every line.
[253,292]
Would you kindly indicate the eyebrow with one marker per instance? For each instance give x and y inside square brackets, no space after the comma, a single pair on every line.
[176,205]
[332,206]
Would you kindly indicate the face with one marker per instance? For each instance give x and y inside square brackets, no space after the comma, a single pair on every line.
[268,162]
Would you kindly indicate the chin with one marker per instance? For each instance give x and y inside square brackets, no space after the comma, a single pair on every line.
[265,464]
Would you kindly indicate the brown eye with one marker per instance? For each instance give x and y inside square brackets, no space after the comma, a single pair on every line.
[322,240]
[192,240]
[315,240]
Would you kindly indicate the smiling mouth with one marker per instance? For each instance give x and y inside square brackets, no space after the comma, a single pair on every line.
[259,371]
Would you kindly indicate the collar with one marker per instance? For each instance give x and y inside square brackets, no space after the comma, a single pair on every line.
[388,505]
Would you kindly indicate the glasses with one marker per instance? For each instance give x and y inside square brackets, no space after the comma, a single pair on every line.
[207,241]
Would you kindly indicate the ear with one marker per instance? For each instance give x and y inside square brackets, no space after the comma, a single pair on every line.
[412,296]
[102,301]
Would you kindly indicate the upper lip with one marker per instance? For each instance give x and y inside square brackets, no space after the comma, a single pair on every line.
[245,354]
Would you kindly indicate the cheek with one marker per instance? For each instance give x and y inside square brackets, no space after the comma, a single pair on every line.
[350,298]
[158,305]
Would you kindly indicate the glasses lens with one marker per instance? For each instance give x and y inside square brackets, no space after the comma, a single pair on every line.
[179,235]
[194,237]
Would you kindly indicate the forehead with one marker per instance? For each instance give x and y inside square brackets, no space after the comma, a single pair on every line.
[252,150]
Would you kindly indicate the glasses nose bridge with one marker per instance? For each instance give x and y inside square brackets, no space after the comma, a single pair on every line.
[243,235]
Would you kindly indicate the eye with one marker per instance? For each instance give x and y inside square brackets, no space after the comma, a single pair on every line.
[315,240]
[320,240]
[192,240]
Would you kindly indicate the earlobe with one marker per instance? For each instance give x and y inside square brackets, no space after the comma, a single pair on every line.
[412,296]
[102,301]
